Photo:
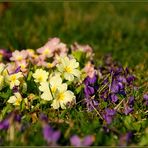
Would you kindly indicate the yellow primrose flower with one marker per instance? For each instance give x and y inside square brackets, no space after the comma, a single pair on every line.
[14,79]
[68,67]
[56,82]
[62,97]
[40,75]
[16,99]
[46,95]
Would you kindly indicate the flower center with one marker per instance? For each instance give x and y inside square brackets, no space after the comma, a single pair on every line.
[13,78]
[68,69]
[19,58]
[40,78]
[53,89]
[61,96]
[18,101]
[46,51]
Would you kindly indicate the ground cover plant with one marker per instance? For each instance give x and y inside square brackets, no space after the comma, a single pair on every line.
[69,93]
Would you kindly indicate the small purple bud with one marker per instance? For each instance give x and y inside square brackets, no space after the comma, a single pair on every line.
[15,89]
[17,118]
[43,117]
[145,97]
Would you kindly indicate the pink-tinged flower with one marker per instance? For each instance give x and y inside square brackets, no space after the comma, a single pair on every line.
[31,53]
[52,48]
[40,60]
[45,51]
[79,142]
[90,70]
[11,67]
[32,56]
[19,55]
[23,65]
[83,48]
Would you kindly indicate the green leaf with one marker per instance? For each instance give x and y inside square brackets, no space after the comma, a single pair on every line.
[5,95]
[80,57]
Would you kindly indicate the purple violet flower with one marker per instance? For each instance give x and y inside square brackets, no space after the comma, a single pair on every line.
[121,79]
[50,135]
[128,110]
[91,104]
[115,87]
[13,116]
[89,91]
[109,114]
[131,101]
[114,98]
[90,88]
[4,124]
[88,80]
[77,141]
[130,79]
[125,139]
[145,97]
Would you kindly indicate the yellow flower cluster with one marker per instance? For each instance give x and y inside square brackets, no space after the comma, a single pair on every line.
[50,85]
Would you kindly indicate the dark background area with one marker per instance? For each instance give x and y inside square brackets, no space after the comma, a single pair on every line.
[117,28]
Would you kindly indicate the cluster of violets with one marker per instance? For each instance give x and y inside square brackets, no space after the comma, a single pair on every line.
[56,72]
[112,84]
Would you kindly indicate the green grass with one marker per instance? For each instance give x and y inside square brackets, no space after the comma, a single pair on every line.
[117,28]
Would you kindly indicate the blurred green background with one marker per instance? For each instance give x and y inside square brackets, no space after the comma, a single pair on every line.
[117,28]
